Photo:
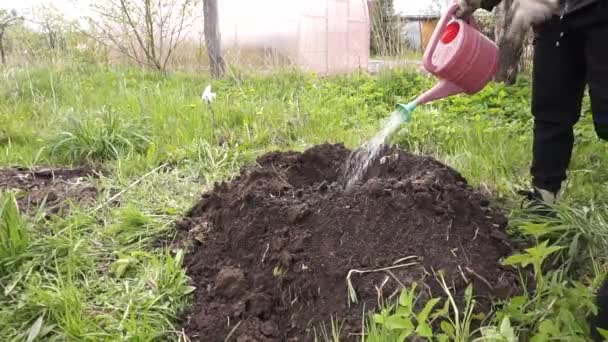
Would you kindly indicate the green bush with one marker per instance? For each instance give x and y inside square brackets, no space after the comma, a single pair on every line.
[97,139]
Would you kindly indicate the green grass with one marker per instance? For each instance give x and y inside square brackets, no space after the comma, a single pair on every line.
[97,273]
[103,136]
[100,276]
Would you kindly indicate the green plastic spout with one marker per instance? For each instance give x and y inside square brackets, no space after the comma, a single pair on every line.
[406,110]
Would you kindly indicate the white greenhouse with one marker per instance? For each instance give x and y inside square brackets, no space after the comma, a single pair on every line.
[324,36]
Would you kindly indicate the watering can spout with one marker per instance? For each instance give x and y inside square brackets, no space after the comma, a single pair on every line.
[406,110]
[441,90]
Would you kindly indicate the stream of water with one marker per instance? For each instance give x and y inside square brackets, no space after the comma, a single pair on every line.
[360,159]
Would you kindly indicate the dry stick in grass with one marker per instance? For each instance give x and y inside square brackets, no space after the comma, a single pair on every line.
[232,332]
[447,234]
[265,252]
[394,294]
[363,323]
[352,294]
[462,274]
[404,259]
[137,181]
[396,279]
[213,123]
[379,290]
[484,280]
[464,252]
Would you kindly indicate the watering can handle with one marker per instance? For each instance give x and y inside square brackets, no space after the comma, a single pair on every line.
[470,20]
[436,37]
[441,25]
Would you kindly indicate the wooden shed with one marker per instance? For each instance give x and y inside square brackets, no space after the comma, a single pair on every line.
[419,27]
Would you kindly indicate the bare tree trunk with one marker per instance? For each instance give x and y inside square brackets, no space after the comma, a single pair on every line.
[510,49]
[213,38]
[2,53]
[52,40]
[150,33]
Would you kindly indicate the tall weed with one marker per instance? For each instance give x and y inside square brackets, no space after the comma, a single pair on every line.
[14,234]
[107,136]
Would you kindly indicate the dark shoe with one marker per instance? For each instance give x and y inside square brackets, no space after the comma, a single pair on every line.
[539,201]
[601,319]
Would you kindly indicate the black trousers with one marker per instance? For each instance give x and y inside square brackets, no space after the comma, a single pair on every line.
[570,53]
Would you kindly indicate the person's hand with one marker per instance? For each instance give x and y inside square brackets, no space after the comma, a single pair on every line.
[466,8]
[530,12]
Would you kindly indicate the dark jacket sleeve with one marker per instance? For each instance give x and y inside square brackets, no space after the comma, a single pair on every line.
[488,5]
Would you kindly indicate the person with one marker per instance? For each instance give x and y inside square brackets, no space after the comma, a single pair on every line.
[570,53]
[601,319]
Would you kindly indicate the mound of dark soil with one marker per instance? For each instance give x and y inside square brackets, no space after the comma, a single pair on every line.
[48,187]
[271,250]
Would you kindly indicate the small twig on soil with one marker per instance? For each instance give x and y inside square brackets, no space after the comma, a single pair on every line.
[429,291]
[378,295]
[111,199]
[396,279]
[392,295]
[476,232]
[282,177]
[403,259]
[363,323]
[379,290]
[232,332]
[289,295]
[484,280]
[462,274]
[425,273]
[266,251]
[181,335]
[464,252]
[452,251]
[352,294]
[447,235]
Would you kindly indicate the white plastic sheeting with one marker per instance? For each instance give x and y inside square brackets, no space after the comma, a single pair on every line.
[325,36]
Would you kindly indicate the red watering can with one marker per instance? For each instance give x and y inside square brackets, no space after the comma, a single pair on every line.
[460,56]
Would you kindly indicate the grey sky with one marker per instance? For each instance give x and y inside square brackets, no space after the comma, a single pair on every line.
[71,8]
[77,8]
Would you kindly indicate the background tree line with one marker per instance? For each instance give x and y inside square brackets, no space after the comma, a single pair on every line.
[151,32]
[146,32]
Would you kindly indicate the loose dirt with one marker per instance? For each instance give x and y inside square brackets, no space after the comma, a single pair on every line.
[271,250]
[48,188]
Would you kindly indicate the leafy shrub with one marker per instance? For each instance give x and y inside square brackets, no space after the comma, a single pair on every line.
[106,137]
[446,322]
